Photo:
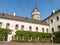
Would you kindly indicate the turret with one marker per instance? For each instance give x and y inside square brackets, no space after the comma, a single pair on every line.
[14,14]
[36,14]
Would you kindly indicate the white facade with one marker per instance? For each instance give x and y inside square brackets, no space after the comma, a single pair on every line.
[26,26]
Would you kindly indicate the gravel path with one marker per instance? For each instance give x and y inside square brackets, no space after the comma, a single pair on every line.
[14,43]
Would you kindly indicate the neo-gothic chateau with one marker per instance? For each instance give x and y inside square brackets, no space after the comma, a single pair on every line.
[34,24]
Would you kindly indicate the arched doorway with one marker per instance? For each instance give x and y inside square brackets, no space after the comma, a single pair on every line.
[5,37]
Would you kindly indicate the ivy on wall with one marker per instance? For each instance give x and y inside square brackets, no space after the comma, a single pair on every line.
[41,36]
[4,31]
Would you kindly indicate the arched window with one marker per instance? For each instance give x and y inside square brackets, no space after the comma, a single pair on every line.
[57,18]
[0,24]
[47,30]
[16,27]
[7,25]
[30,38]
[30,28]
[15,37]
[51,20]
[52,29]
[22,27]
[43,30]
[21,37]
[59,28]
[37,29]
[36,38]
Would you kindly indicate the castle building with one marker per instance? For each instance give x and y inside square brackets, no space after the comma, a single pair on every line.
[34,24]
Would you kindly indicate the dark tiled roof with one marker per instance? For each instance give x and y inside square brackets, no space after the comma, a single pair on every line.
[35,9]
[19,18]
[51,15]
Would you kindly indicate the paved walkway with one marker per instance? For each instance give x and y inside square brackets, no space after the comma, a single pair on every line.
[14,43]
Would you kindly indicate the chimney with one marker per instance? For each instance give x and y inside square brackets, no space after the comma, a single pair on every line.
[14,14]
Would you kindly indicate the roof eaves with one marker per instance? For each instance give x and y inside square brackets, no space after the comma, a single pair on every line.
[50,15]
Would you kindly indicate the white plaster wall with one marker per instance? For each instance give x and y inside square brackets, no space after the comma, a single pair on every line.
[26,26]
[9,37]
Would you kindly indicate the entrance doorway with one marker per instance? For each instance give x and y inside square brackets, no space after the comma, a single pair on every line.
[5,37]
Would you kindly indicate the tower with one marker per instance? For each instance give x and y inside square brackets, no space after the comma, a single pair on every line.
[36,14]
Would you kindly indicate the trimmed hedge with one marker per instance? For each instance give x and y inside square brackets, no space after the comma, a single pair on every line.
[4,31]
[47,36]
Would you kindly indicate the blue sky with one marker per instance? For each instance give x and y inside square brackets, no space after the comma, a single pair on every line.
[25,7]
